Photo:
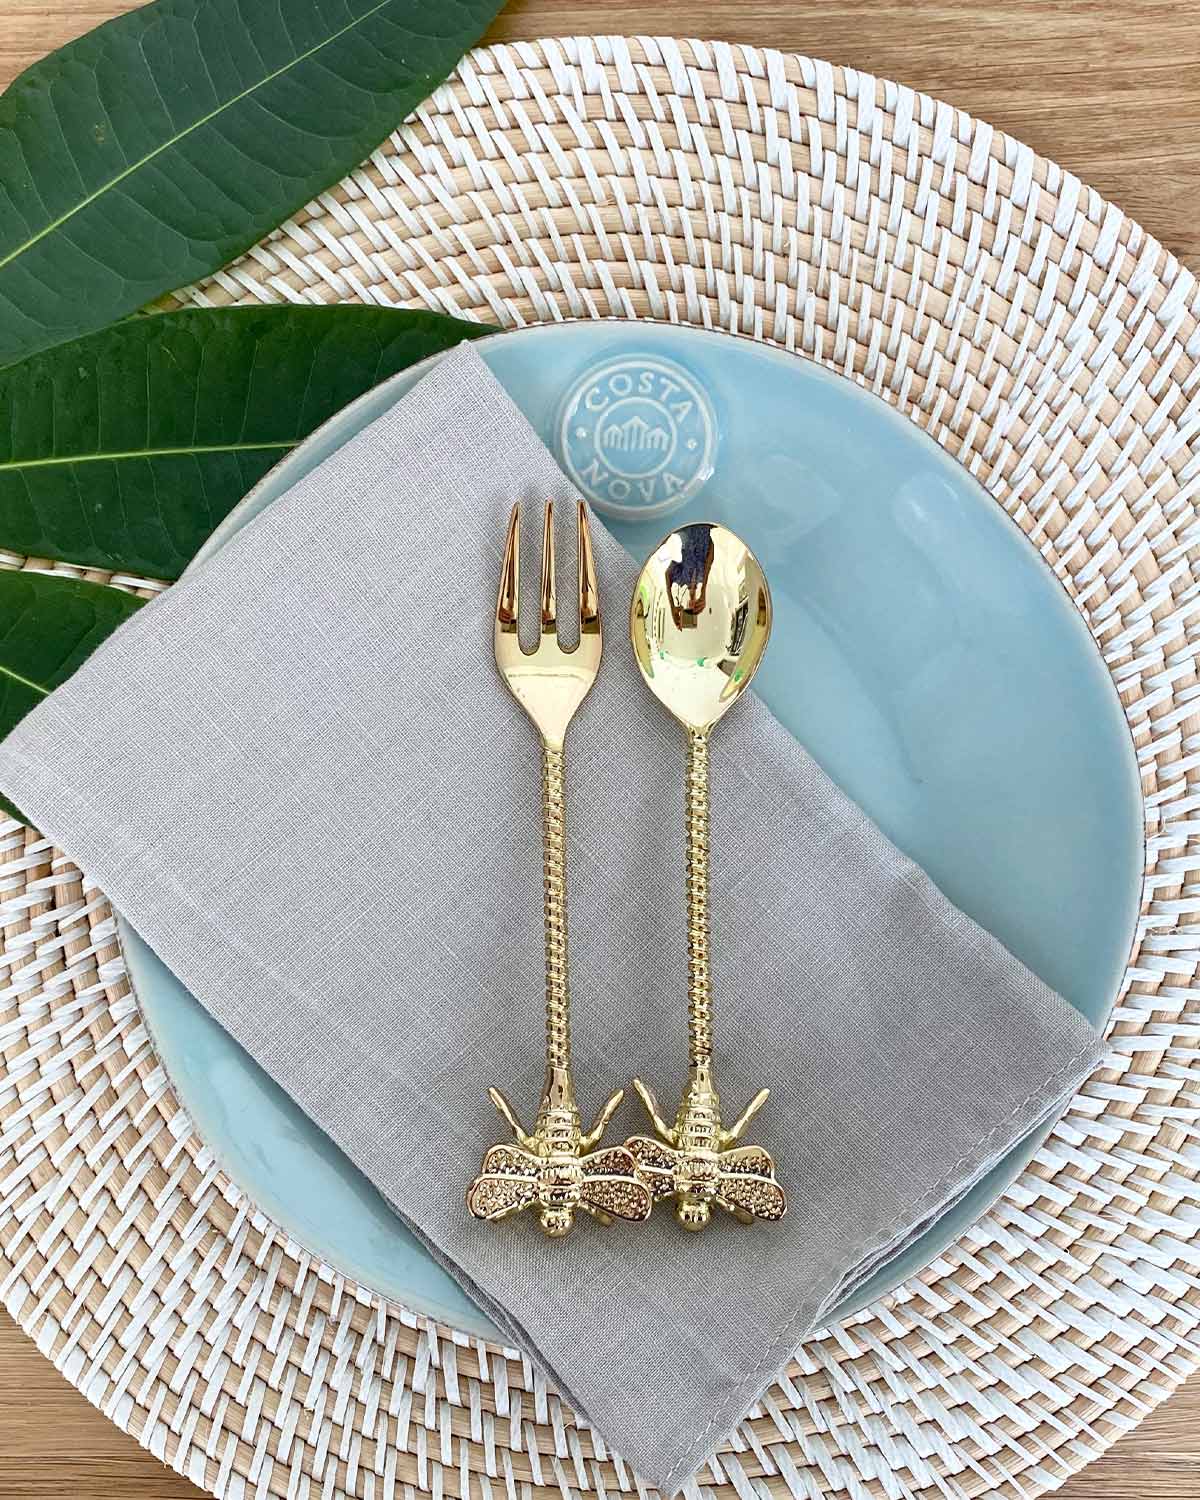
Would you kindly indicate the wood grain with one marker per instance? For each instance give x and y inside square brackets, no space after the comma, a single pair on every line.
[1109,90]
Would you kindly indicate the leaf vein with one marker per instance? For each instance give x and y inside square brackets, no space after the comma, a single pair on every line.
[7,671]
[90,458]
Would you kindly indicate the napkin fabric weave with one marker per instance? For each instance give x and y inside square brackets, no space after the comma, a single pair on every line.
[299,776]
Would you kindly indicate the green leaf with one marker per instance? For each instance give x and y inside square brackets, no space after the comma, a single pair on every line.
[48,627]
[124,449]
[159,146]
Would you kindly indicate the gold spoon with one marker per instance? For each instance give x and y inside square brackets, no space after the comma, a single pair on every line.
[700,620]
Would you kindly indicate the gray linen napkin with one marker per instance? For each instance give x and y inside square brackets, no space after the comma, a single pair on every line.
[299,776]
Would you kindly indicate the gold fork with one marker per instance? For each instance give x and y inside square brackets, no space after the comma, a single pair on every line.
[554,1165]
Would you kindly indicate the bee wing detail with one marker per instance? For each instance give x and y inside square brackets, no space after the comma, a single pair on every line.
[495,1196]
[656,1162]
[507,1181]
[506,1158]
[746,1181]
[760,1196]
[611,1161]
[622,1197]
[610,1185]
[751,1159]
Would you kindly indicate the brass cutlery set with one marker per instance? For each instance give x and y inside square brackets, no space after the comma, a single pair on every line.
[699,622]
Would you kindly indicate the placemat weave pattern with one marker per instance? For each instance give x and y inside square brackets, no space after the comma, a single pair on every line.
[1046,342]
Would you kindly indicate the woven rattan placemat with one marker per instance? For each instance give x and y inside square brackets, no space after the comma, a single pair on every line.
[1047,343]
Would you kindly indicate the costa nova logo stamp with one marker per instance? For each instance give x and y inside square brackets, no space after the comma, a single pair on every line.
[637,436]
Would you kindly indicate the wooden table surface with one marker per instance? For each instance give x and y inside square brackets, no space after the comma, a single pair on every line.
[1111,91]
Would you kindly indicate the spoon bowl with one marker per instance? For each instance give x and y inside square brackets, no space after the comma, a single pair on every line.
[700,620]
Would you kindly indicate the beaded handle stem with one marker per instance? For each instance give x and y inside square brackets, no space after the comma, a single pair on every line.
[554,876]
[700,1017]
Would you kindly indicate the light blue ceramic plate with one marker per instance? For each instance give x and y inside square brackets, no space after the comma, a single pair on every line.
[922,651]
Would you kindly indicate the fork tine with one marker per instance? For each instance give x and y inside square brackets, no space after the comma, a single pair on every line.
[508,603]
[589,593]
[548,597]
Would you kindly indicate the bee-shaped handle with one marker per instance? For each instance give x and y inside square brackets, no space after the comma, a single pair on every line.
[698,1162]
[555,1169]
